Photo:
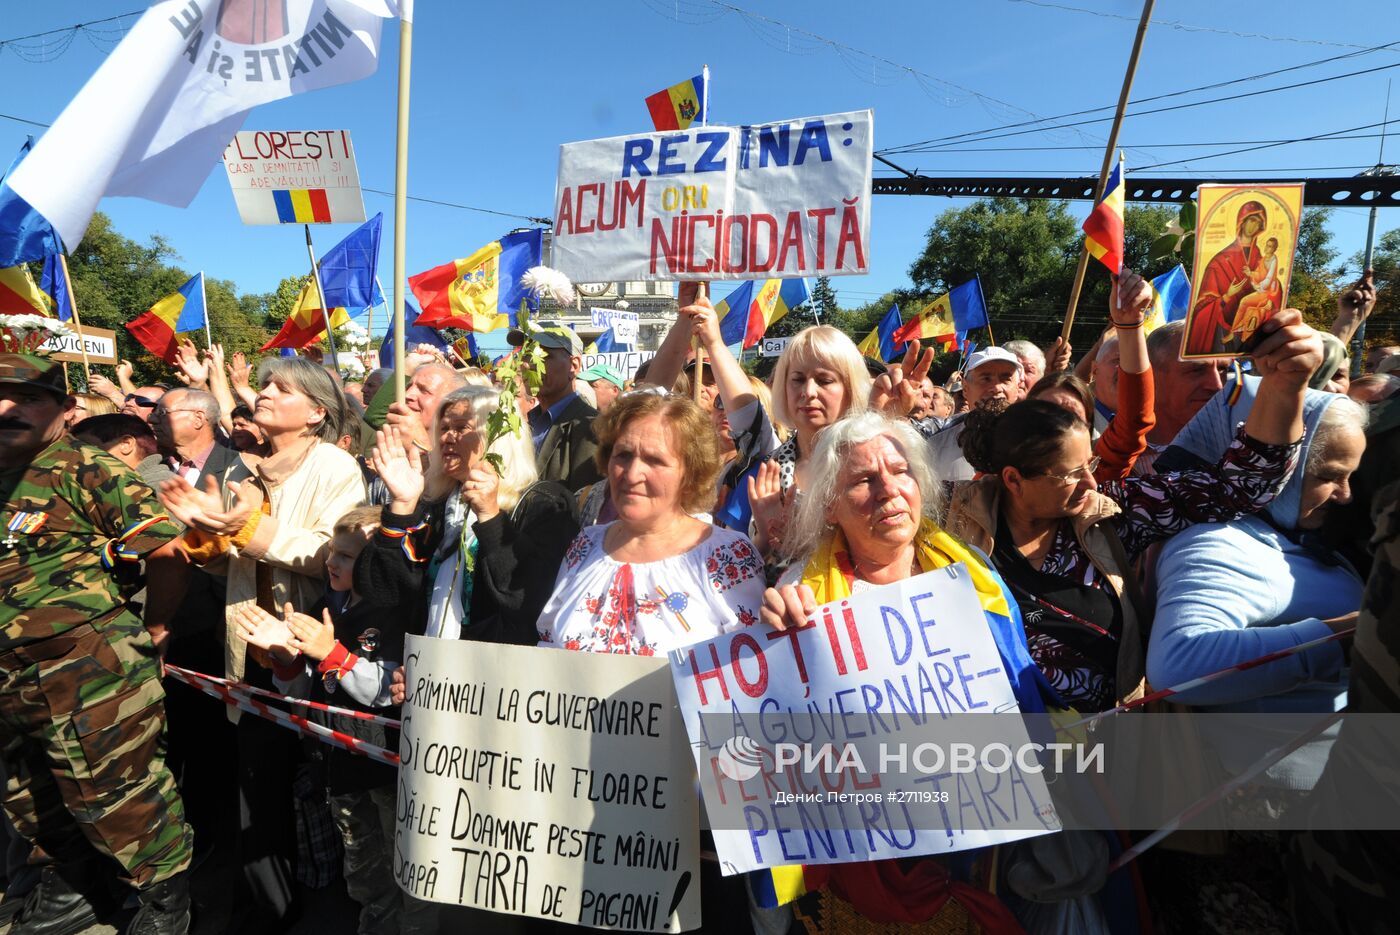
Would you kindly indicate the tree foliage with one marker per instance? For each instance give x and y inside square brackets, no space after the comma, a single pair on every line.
[1384,324]
[115,279]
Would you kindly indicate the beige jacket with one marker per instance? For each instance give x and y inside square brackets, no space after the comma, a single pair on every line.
[973,516]
[306,498]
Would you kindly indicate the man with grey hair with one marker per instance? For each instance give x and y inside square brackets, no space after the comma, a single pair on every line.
[426,388]
[1105,383]
[183,422]
[1181,388]
[1032,363]
[373,381]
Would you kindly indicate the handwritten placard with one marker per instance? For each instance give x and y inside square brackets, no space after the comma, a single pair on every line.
[545,783]
[624,362]
[774,201]
[624,325]
[840,741]
[294,177]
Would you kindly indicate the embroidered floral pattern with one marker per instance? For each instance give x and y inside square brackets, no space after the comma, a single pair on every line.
[578,551]
[732,563]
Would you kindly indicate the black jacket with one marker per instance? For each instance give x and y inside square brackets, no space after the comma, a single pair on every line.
[567,452]
[518,557]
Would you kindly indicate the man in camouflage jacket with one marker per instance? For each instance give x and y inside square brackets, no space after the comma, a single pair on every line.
[82,724]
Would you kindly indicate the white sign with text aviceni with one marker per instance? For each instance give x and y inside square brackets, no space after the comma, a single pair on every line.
[547,783]
[778,200]
[810,743]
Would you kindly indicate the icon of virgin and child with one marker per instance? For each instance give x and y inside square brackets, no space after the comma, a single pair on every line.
[1241,288]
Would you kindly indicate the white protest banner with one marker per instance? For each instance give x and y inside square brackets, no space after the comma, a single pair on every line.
[774,201]
[623,324]
[294,177]
[547,783]
[101,345]
[772,347]
[804,738]
[624,362]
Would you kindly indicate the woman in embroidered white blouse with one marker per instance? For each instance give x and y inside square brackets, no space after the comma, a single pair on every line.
[657,578]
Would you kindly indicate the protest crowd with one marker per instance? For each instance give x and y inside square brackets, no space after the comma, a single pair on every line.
[285,530]
[283,638]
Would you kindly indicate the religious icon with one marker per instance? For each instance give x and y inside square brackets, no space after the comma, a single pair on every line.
[1245,237]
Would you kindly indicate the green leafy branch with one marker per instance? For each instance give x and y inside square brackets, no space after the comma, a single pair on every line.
[1179,236]
[521,368]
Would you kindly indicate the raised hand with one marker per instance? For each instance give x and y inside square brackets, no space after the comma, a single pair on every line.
[1290,350]
[788,607]
[257,627]
[704,325]
[313,638]
[102,386]
[191,370]
[1057,357]
[125,369]
[400,466]
[238,370]
[897,391]
[768,504]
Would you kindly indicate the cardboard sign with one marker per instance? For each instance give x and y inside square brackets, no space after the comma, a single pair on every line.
[101,345]
[762,202]
[802,737]
[1245,239]
[624,325]
[294,177]
[772,347]
[546,783]
[624,362]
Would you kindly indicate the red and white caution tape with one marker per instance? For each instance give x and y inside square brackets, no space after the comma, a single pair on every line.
[238,698]
[1239,782]
[289,699]
[1208,678]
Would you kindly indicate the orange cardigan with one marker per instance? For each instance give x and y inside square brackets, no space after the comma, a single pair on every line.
[1125,438]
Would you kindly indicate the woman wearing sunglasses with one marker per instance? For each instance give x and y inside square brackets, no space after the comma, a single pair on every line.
[1066,545]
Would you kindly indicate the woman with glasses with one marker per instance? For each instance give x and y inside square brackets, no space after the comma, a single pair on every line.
[1066,545]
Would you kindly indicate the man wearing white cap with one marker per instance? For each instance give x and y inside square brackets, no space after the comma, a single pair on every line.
[991,373]
[562,423]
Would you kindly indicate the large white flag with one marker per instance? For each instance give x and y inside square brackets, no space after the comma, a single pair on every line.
[156,116]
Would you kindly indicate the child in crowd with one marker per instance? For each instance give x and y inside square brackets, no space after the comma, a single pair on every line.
[344,656]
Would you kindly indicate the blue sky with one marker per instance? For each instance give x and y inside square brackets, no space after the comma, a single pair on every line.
[498,86]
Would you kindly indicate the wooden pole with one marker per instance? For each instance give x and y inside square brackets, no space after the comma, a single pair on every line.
[991,338]
[208,335]
[1108,160]
[77,319]
[401,202]
[321,297]
[701,291]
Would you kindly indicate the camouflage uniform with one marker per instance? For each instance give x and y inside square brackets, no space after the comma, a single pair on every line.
[81,716]
[1349,881]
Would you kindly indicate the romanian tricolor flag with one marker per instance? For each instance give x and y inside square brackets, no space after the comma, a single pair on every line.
[1103,228]
[178,312]
[483,291]
[19,295]
[306,323]
[747,312]
[680,105]
[302,206]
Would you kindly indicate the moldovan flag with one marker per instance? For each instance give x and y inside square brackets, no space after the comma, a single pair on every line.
[746,313]
[157,114]
[482,292]
[680,105]
[947,317]
[177,313]
[1171,297]
[19,295]
[880,343]
[306,323]
[1103,228]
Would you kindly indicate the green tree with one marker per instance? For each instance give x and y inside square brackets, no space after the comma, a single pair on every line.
[1383,327]
[1313,286]
[824,297]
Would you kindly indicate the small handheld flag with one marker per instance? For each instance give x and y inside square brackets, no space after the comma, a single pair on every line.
[747,312]
[180,311]
[1171,297]
[1103,228]
[680,105]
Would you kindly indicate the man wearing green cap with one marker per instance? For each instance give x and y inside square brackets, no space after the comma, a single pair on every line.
[82,725]
[562,423]
[606,383]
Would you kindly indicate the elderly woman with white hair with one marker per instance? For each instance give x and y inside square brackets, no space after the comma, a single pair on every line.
[483,544]
[868,518]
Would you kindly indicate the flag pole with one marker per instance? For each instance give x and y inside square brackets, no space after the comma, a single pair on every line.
[320,297]
[204,297]
[991,338]
[77,319]
[1108,161]
[401,200]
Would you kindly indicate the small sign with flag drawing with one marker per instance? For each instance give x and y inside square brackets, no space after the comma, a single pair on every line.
[294,177]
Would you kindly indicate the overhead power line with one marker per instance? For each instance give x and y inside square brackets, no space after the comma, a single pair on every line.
[980,135]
